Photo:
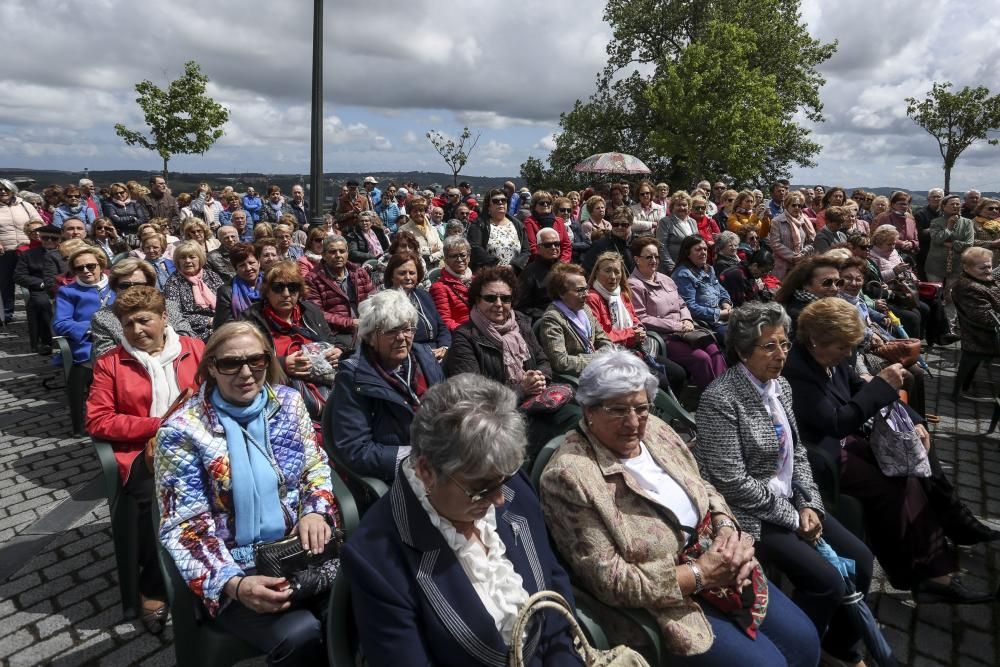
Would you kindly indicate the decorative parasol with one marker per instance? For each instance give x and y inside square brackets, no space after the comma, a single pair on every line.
[612,163]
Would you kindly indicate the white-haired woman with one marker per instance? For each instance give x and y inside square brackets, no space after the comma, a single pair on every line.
[640,527]
[725,255]
[750,450]
[381,386]
[440,567]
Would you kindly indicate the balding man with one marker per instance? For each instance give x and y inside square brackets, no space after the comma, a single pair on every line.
[972,198]
[532,295]
[218,259]
[513,198]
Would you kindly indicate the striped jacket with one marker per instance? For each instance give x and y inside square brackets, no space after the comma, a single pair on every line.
[194,489]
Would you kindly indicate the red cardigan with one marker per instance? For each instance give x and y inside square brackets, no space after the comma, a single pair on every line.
[451,297]
[118,404]
[531,228]
[598,306]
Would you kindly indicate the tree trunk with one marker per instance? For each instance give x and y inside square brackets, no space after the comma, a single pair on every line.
[165,160]
[947,178]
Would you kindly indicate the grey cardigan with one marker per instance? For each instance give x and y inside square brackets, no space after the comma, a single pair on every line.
[737,453]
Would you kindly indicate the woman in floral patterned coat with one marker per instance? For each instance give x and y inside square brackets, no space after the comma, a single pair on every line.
[239,465]
[623,496]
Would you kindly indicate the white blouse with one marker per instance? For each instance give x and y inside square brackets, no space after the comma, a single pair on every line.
[499,587]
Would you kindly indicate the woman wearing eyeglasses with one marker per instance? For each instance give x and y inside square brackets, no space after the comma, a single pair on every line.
[143,372]
[194,286]
[569,333]
[72,207]
[543,216]
[104,236]
[238,465]
[791,235]
[105,328]
[496,238]
[646,212]
[379,388]
[451,291]
[77,302]
[986,227]
[124,213]
[298,334]
[440,567]
[640,527]
[754,457]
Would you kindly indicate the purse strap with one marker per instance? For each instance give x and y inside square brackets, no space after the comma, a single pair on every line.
[538,602]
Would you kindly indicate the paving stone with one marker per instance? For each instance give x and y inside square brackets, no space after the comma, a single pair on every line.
[42,651]
[131,652]
[933,642]
[85,652]
[15,642]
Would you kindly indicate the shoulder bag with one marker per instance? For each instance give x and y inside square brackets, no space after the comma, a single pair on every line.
[620,656]
[896,445]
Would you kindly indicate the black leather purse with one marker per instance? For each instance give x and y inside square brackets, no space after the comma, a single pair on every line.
[308,575]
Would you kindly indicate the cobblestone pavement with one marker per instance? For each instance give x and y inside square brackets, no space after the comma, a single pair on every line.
[59,599]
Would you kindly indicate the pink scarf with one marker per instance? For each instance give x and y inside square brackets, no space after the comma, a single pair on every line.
[375,248]
[203,296]
[508,338]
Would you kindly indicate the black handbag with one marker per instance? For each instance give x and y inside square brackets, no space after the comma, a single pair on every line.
[307,574]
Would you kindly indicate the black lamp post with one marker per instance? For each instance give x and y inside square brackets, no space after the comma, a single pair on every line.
[316,138]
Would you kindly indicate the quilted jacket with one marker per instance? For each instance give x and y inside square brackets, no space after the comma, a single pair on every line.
[194,489]
[324,291]
[451,297]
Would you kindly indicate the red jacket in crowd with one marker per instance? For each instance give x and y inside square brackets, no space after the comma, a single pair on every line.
[120,396]
[451,298]
[531,228]
[601,310]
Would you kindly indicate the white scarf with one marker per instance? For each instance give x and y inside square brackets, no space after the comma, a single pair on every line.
[770,394]
[161,371]
[620,318]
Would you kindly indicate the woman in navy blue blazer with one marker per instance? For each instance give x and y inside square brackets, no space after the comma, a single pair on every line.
[441,565]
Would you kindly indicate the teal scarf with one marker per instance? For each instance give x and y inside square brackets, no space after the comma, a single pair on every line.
[259,516]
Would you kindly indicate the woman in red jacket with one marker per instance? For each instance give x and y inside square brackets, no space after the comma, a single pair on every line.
[610,299]
[451,291]
[134,386]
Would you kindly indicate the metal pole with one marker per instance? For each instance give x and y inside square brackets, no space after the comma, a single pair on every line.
[316,138]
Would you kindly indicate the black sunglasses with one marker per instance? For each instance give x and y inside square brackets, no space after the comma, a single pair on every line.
[233,365]
[498,200]
[830,282]
[493,298]
[278,288]
[621,225]
[551,244]
[565,210]
[80,268]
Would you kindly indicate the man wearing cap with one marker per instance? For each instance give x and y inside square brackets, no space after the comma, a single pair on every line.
[374,194]
[30,274]
[349,204]
[159,203]
[87,197]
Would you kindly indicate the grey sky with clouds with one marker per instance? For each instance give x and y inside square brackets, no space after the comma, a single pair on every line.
[395,69]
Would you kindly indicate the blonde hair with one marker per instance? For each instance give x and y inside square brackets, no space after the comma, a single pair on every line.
[827,321]
[226,332]
[185,248]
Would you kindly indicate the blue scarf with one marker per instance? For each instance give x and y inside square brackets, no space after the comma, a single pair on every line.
[259,516]
[579,321]
[244,295]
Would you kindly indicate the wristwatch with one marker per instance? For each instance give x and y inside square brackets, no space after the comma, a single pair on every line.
[699,582]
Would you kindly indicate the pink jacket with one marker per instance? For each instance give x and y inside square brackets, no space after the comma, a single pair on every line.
[907,229]
[788,239]
[658,304]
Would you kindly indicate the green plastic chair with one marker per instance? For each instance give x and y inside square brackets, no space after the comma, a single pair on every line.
[433,275]
[366,489]
[124,512]
[826,473]
[669,409]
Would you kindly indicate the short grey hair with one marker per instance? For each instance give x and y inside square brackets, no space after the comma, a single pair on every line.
[727,237]
[748,321]
[455,243]
[384,311]
[547,231]
[331,239]
[469,424]
[614,372]
[935,191]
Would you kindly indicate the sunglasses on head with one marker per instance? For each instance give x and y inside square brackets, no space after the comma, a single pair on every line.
[233,365]
[493,298]
[80,268]
[279,288]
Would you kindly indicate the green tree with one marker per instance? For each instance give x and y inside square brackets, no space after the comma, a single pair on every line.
[735,73]
[181,119]
[454,152]
[956,120]
[535,175]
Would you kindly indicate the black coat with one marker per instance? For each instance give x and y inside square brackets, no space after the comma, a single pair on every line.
[479,237]
[127,218]
[829,409]
[357,245]
[472,352]
[532,295]
[30,269]
[609,243]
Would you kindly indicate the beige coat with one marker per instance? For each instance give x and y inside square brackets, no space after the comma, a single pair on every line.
[12,221]
[616,541]
[564,348]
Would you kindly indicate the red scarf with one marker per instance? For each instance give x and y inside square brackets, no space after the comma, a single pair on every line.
[288,338]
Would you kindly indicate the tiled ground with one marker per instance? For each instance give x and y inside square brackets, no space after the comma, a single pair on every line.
[59,601]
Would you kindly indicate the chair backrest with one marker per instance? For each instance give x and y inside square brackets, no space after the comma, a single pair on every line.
[542,459]
[341,629]
[366,490]
[433,275]
[668,408]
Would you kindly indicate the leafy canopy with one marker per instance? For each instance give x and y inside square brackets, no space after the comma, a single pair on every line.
[956,120]
[702,89]
[181,119]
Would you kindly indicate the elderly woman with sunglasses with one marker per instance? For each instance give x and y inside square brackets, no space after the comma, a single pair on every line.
[124,213]
[298,333]
[791,235]
[440,567]
[646,212]
[986,227]
[237,466]
[750,450]
[640,527]
[451,290]
[543,216]
[77,302]
[812,279]
[380,387]
[143,373]
[497,238]
[103,235]
[105,326]
[73,206]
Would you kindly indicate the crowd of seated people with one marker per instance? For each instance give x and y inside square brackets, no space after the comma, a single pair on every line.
[445,340]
